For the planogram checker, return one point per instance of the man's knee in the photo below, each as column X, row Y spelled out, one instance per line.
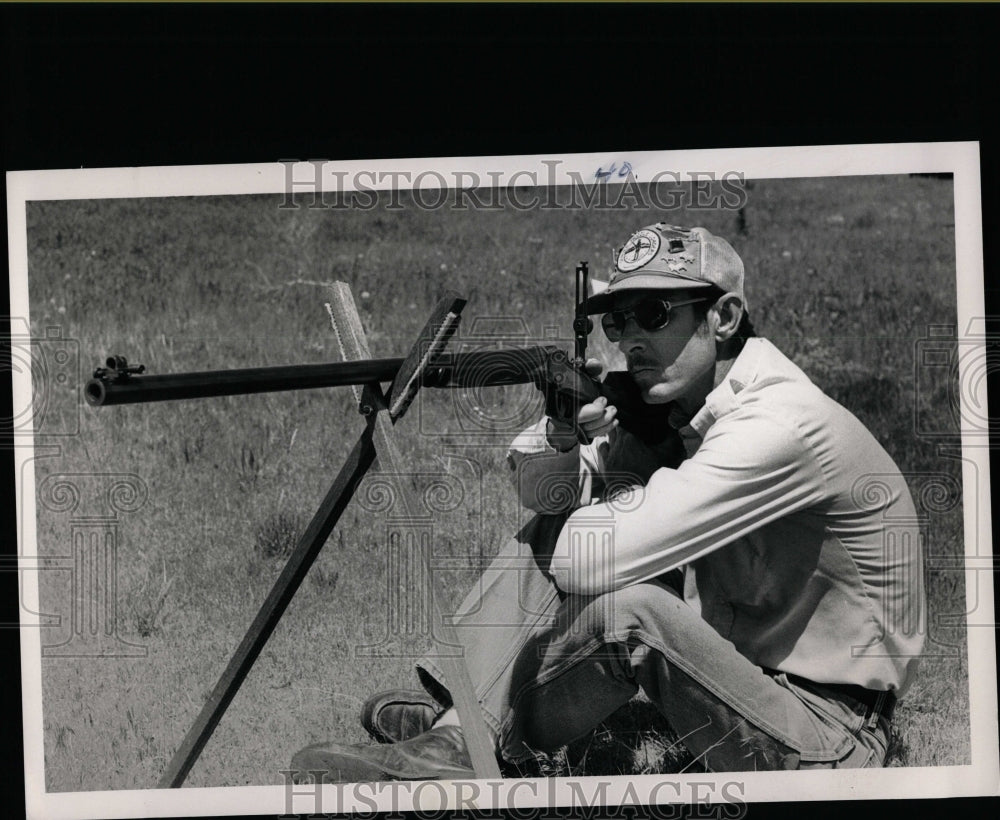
column 640, row 607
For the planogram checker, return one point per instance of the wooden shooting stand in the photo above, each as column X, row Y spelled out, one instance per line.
column 381, row 412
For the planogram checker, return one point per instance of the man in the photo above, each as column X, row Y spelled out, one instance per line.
column 800, row 616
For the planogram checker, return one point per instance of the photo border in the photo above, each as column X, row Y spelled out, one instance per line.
column 981, row 777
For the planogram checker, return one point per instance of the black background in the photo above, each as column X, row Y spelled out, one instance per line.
column 121, row 85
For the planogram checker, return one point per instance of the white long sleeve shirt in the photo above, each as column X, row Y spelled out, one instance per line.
column 797, row 532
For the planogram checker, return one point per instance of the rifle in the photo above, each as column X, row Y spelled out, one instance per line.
column 562, row 380
column 121, row 383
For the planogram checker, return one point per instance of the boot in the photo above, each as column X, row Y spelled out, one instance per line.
column 399, row 714
column 438, row 754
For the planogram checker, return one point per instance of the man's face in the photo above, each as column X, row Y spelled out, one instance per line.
column 675, row 362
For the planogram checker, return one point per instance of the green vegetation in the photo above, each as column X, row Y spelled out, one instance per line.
column 844, row 275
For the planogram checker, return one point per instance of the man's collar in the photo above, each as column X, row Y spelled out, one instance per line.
column 722, row 399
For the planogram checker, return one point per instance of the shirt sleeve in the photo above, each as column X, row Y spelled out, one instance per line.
column 750, row 470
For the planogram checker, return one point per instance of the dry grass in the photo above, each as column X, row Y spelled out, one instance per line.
column 845, row 276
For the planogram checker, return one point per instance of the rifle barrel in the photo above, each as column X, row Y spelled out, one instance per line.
column 484, row 368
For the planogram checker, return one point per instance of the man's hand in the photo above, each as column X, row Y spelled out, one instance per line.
column 595, row 419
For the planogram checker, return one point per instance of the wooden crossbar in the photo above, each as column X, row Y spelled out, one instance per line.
column 375, row 440
column 354, row 346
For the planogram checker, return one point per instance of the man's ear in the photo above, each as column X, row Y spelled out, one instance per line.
column 729, row 311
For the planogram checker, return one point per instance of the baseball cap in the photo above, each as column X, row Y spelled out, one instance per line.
column 666, row 257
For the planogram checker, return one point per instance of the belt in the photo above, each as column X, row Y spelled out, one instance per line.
column 879, row 702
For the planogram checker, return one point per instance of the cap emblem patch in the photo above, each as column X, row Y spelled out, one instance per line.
column 641, row 247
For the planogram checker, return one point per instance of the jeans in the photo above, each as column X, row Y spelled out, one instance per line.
column 549, row 667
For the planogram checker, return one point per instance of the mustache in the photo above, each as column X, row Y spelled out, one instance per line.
column 638, row 362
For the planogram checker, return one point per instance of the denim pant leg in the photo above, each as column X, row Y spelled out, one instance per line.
column 727, row 711
column 513, row 599
column 548, row 668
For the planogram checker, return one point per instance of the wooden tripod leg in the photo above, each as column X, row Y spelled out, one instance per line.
column 309, row 546
column 354, row 346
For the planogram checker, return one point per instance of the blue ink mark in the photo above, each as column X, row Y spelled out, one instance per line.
column 624, row 171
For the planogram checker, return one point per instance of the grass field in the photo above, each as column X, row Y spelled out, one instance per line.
column 844, row 275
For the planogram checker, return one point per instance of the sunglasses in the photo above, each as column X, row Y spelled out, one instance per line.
column 649, row 314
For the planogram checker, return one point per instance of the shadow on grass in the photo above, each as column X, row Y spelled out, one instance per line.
column 636, row 739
